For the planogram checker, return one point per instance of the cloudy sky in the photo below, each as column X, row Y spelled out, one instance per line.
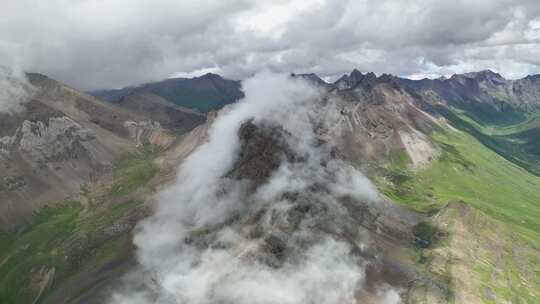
column 92, row 44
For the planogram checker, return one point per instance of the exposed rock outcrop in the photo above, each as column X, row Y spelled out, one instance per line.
column 380, row 120
column 278, row 234
column 149, row 133
column 60, row 140
column 262, row 151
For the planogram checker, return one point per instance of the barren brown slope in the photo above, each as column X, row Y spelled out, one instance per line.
column 381, row 122
column 62, row 140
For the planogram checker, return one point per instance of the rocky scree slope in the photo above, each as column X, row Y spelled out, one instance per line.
column 61, row 140
column 379, row 233
column 284, row 232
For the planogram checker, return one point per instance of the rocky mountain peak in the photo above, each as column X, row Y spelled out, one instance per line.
column 311, row 78
column 262, row 151
column 352, row 80
column 211, row 76
column 535, row 77
column 370, row 75
column 486, row 76
column 356, row 74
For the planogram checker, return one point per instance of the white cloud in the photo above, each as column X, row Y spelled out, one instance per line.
column 15, row 90
column 227, row 263
column 196, row 73
column 98, row 44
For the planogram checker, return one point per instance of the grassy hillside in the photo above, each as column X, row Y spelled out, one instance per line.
column 491, row 252
column 491, row 249
column 519, row 143
column 79, row 236
column 470, row 172
column 486, row 261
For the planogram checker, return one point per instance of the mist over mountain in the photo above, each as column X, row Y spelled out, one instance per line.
column 282, row 151
column 299, row 185
column 113, row 44
column 14, row 89
column 269, row 152
column 485, row 97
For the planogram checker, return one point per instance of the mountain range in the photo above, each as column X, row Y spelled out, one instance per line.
column 456, row 162
column 481, row 103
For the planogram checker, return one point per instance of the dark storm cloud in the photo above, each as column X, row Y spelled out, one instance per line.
column 103, row 44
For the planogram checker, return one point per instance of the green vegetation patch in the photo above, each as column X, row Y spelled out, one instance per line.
column 399, row 159
column 519, row 143
column 28, row 255
column 425, row 233
column 504, row 265
column 70, row 238
column 468, row 171
column 134, row 170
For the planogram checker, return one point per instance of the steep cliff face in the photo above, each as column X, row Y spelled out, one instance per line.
column 57, row 139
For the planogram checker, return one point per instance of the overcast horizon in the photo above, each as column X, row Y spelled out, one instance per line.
column 110, row 44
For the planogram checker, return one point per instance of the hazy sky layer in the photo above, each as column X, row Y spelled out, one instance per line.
column 113, row 43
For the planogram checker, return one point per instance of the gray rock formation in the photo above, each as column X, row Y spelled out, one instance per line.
column 149, row 133
column 60, row 140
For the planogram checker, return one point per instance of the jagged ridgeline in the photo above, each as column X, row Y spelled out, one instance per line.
column 372, row 189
